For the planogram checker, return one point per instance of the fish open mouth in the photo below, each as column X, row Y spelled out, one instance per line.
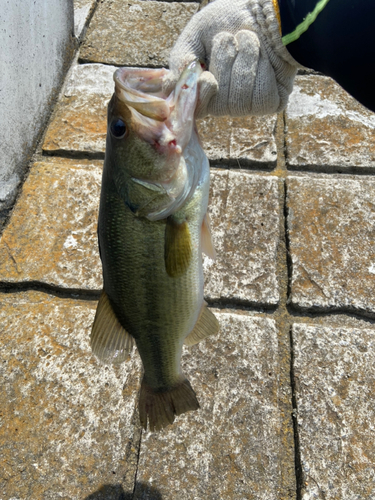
column 167, row 124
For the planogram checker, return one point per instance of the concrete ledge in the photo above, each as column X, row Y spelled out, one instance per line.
column 36, row 43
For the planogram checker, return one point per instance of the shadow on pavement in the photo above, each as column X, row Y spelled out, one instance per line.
column 116, row 492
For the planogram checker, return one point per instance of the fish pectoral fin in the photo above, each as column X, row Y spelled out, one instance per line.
column 110, row 342
column 206, row 238
column 206, row 325
column 178, row 248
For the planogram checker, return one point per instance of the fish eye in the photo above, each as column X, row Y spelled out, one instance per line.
column 118, row 128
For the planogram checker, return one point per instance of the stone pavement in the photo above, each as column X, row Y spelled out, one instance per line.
column 286, row 389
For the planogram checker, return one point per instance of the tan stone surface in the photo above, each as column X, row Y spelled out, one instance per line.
column 51, row 237
column 67, row 422
column 326, row 128
column 245, row 141
column 80, row 121
column 335, row 390
column 331, row 231
column 231, row 448
column 82, row 9
column 244, row 215
column 135, row 33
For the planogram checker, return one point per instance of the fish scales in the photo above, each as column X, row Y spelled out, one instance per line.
column 152, row 227
column 159, row 307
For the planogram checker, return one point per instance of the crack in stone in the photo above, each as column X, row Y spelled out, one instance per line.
column 312, row 281
column 297, row 449
column 11, row 255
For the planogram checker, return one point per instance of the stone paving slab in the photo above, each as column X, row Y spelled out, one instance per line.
column 327, row 129
column 241, row 142
column 331, row 225
column 66, row 424
column 82, row 9
column 244, row 216
column 79, row 124
column 51, row 237
column 231, row 448
column 335, row 389
column 135, row 33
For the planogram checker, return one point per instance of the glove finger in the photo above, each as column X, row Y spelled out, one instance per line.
column 208, row 87
column 223, row 55
column 266, row 99
column 244, row 73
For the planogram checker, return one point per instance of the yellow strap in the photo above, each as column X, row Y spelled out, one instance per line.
column 277, row 12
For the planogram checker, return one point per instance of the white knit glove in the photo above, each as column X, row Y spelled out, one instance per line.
column 250, row 72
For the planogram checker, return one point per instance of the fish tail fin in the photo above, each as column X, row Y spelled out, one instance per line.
column 159, row 407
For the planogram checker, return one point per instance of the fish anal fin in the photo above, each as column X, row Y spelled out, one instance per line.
column 206, row 238
column 178, row 247
column 110, row 342
column 206, row 325
column 159, row 407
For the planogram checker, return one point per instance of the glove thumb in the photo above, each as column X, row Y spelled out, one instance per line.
column 207, row 89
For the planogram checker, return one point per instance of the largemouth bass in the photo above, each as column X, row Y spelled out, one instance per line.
column 152, row 230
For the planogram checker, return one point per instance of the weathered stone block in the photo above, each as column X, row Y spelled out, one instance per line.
column 244, row 211
column 327, row 129
column 135, row 33
column 241, row 142
column 334, row 387
column 82, row 10
column 231, row 447
column 80, row 122
column 67, row 422
column 331, row 231
column 51, row 237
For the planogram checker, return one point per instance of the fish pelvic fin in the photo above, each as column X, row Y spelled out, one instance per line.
column 178, row 248
column 206, row 238
column 110, row 342
column 206, row 325
column 159, row 407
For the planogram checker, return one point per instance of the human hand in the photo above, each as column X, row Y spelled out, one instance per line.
column 249, row 69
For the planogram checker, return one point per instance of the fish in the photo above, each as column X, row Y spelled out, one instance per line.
column 152, row 229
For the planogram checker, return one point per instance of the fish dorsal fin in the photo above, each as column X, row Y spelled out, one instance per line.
column 110, row 342
column 206, row 238
column 206, row 325
column 178, row 248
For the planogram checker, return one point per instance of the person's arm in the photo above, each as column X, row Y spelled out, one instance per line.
column 335, row 37
column 249, row 69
